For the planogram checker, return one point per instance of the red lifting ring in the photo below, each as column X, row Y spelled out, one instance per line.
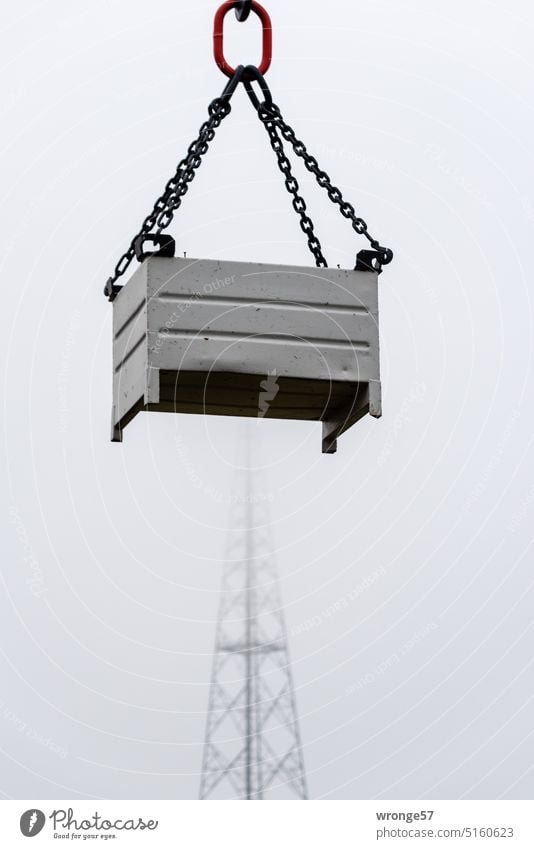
column 218, row 37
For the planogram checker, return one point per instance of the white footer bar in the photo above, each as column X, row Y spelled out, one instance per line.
column 271, row 825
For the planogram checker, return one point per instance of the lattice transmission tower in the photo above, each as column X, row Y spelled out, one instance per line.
column 253, row 747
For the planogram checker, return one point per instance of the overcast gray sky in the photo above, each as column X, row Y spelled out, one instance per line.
column 422, row 684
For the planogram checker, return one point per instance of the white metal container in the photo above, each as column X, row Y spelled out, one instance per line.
column 247, row 339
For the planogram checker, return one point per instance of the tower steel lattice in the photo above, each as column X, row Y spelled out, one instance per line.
column 253, row 747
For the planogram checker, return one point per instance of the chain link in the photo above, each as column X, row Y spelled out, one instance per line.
column 243, row 10
column 176, row 188
column 170, row 200
column 299, row 204
column 271, row 116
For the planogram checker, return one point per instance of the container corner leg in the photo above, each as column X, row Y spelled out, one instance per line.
column 375, row 398
column 116, row 430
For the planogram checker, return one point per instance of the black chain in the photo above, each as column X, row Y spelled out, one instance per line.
column 299, row 204
column 176, row 188
column 270, row 115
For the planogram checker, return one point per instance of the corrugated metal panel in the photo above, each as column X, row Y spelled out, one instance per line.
column 312, row 331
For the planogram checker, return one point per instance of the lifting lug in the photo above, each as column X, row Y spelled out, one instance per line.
column 368, row 260
column 111, row 290
column 167, row 246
